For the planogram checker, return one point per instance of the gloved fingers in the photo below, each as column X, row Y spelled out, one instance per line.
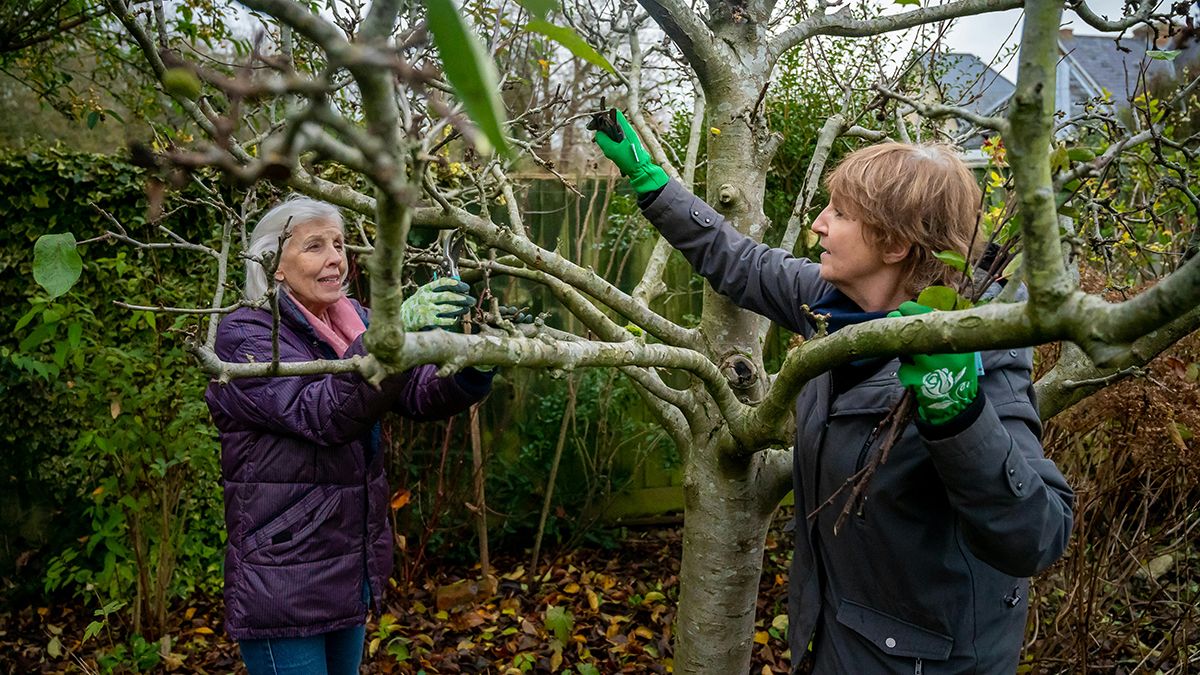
column 446, row 284
column 451, row 298
column 600, row 137
column 449, row 312
column 626, row 126
column 515, row 314
column 911, row 308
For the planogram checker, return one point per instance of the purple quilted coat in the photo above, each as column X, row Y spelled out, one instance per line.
column 306, row 498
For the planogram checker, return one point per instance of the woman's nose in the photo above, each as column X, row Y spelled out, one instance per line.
column 818, row 225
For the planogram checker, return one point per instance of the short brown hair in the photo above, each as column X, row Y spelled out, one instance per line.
column 919, row 195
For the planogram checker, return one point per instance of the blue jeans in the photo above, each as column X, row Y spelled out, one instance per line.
column 337, row 653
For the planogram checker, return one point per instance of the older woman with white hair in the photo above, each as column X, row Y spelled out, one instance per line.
column 309, row 546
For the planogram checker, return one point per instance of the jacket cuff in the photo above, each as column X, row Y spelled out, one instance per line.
column 474, row 382
column 975, row 451
column 648, row 178
column 645, row 199
column 955, row 425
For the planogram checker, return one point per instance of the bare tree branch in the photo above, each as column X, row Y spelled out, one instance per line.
column 843, row 24
column 938, row 110
column 1098, row 22
column 710, row 57
column 1075, row 377
column 1030, row 118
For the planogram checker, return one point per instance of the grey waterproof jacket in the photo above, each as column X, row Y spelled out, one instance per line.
column 931, row 576
column 306, row 499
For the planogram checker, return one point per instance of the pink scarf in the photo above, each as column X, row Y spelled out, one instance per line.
column 339, row 325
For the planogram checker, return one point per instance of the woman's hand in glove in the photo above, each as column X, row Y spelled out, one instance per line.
column 628, row 154
column 944, row 384
column 438, row 303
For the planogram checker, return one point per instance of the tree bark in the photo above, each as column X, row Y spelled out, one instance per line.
column 728, row 509
column 727, row 502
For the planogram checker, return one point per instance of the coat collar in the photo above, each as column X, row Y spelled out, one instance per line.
column 291, row 316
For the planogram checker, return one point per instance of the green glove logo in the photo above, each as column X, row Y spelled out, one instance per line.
column 946, row 389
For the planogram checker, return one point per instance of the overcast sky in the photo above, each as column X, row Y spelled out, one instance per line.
column 987, row 34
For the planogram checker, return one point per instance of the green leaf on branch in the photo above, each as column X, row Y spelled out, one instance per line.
column 539, row 8
column 182, row 82
column 914, row 3
column 1081, row 154
column 1059, row 160
column 952, row 258
column 568, row 38
column 92, row 119
column 1163, row 54
column 943, row 298
column 1013, row 267
column 56, row 263
column 469, row 69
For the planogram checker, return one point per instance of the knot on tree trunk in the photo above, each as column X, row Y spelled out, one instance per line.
column 739, row 371
column 729, row 196
column 385, row 343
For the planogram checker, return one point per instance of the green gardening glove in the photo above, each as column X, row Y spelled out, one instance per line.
column 438, row 303
column 944, row 384
column 627, row 152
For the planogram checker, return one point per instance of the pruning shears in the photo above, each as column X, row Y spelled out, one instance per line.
column 606, row 120
column 451, row 246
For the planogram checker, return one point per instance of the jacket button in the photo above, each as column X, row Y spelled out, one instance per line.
column 708, row 220
column 890, row 642
column 1012, row 353
column 695, row 213
column 1020, row 485
column 1011, row 471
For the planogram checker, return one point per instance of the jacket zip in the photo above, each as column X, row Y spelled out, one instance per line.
column 862, row 454
column 366, row 566
column 919, row 668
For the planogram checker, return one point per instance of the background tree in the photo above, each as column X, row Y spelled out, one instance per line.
column 356, row 108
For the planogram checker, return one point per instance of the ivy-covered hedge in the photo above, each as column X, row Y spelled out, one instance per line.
column 109, row 472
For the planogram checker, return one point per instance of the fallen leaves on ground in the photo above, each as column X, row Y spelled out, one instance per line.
column 588, row 612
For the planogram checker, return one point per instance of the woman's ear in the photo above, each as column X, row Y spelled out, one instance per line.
column 896, row 252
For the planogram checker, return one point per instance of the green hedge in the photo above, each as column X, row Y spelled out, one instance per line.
column 110, row 465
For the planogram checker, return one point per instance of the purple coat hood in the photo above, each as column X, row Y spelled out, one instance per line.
column 306, row 497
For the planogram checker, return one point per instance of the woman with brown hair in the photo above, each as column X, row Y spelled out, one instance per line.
column 931, row 576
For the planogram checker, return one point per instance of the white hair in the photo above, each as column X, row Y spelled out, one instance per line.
column 294, row 210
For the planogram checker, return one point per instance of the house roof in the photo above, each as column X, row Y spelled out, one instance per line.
column 1113, row 68
column 966, row 81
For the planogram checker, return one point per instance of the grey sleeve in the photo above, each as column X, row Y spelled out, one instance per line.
column 769, row 281
column 1014, row 504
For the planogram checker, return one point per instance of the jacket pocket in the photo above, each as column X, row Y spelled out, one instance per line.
column 292, row 525
column 894, row 636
